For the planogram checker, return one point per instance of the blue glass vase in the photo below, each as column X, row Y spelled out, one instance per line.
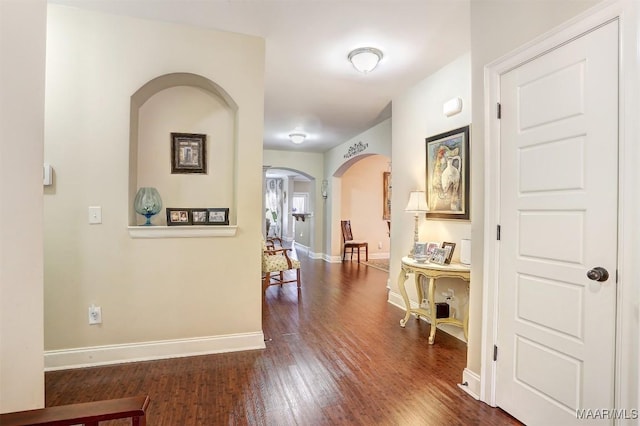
column 147, row 203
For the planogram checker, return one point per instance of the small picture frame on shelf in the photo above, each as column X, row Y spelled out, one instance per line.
column 439, row 256
column 218, row 216
column 199, row 216
column 449, row 247
column 178, row 217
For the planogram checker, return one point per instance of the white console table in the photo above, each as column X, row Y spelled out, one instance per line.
column 432, row 272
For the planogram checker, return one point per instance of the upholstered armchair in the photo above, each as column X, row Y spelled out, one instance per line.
column 275, row 262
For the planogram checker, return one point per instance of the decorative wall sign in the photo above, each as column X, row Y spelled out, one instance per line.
column 356, row 149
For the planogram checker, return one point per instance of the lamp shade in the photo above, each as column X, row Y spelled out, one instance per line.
column 365, row 59
column 417, row 202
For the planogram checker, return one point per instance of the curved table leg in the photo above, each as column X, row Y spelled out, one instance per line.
column 402, row 279
column 432, row 308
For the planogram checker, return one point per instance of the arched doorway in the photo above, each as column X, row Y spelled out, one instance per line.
column 289, row 196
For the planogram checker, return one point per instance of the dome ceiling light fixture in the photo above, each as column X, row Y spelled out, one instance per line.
column 365, row 59
column 297, row 137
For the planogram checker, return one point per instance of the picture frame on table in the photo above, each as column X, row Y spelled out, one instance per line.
column 218, row 216
column 447, row 175
column 420, row 252
column 178, row 217
column 449, row 247
column 430, row 247
column 188, row 153
column 439, row 256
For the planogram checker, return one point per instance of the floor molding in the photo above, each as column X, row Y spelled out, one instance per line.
column 145, row 351
column 470, row 383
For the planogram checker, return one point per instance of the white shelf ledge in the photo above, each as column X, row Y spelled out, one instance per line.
column 182, row 231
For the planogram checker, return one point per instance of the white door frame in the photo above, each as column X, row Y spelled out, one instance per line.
column 627, row 394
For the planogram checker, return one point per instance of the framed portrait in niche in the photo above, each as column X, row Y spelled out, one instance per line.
column 199, row 216
column 447, row 180
column 217, row 216
column 188, row 153
column 178, row 217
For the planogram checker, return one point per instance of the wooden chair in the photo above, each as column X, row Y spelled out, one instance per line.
column 350, row 243
column 275, row 262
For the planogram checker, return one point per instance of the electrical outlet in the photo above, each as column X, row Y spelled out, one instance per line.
column 379, row 244
column 95, row 315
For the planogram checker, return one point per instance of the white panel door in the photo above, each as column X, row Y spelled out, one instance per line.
column 558, row 216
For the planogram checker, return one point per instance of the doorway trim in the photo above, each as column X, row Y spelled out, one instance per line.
column 627, row 373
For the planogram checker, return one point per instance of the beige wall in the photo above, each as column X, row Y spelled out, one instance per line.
column 497, row 27
column 22, row 49
column 417, row 114
column 166, row 290
column 362, row 202
column 376, row 140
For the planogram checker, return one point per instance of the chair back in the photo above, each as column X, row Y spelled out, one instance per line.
column 346, row 230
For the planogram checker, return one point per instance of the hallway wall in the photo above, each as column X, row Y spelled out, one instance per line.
column 362, row 202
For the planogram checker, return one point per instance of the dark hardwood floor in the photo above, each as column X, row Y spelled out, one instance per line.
column 335, row 355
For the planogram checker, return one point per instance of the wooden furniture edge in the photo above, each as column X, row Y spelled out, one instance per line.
column 83, row 413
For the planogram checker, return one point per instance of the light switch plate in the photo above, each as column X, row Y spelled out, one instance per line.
column 95, row 214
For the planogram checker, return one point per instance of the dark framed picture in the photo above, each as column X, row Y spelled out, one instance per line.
column 218, row 216
column 188, row 153
column 449, row 247
column 448, row 175
column 199, row 216
column 178, row 217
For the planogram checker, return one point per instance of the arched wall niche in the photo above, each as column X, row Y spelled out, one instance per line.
column 155, row 86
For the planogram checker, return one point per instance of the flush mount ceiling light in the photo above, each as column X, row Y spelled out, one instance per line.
column 365, row 59
column 297, row 137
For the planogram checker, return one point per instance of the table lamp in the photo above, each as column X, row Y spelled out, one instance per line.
column 417, row 204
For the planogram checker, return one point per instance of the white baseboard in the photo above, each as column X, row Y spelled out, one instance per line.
column 301, row 248
column 338, row 259
column 331, row 259
column 379, row 255
column 396, row 300
column 470, row 383
column 145, row 351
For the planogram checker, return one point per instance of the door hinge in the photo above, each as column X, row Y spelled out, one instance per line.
column 495, row 352
column 498, row 233
column 499, row 112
